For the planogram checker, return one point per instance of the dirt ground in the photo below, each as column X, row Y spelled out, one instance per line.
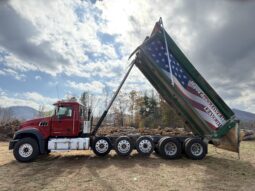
column 220, row 170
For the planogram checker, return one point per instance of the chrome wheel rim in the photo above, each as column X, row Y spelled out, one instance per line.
column 25, row 150
column 145, row 146
column 196, row 149
column 124, row 146
column 170, row 149
column 101, row 146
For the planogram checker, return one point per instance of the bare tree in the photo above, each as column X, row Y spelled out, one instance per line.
column 106, row 93
column 132, row 98
column 88, row 100
column 120, row 107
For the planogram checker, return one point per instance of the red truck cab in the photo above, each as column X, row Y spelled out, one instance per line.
column 66, row 121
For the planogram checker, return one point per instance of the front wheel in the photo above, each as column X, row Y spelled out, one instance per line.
column 26, row 150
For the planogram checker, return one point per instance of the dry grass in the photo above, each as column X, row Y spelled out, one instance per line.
column 220, row 170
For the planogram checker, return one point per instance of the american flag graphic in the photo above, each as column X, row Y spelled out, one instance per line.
column 182, row 80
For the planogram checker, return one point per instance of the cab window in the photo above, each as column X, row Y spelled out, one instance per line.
column 64, row 111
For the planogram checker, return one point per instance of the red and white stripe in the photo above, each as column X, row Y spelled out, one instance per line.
column 216, row 119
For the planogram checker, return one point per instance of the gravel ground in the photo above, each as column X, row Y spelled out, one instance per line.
column 82, row 170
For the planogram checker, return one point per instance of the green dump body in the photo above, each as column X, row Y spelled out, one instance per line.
column 183, row 88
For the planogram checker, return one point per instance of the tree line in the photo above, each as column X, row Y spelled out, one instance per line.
column 135, row 108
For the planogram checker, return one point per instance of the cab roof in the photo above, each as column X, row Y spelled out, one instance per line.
column 68, row 102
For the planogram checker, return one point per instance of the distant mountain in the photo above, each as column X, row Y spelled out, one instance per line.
column 244, row 115
column 19, row 112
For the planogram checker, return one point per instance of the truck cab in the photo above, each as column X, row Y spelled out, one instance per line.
column 33, row 136
column 67, row 119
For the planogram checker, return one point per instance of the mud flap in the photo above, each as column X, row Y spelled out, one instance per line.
column 230, row 141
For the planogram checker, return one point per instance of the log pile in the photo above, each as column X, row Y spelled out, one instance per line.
column 120, row 131
column 247, row 135
column 7, row 129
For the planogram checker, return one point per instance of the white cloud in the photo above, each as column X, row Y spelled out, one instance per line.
column 17, row 64
column 57, row 29
column 31, row 99
column 6, row 101
column 38, row 77
column 2, row 73
column 57, row 24
column 13, row 73
column 93, row 87
column 2, row 92
column 34, row 96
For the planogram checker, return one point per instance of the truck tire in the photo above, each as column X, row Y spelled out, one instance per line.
column 184, row 144
column 26, row 150
column 123, row 146
column 170, row 148
column 144, row 145
column 101, row 146
column 156, row 149
column 195, row 149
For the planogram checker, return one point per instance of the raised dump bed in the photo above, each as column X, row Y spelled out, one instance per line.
column 183, row 87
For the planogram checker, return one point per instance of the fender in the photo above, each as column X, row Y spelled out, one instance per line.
column 29, row 132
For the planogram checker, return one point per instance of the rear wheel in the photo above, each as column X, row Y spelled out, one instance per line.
column 26, row 150
column 144, row 145
column 170, row 148
column 101, row 146
column 195, row 149
column 123, row 146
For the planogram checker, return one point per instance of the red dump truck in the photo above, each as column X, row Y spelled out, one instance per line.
column 176, row 80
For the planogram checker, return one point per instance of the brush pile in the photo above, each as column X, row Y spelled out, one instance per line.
column 120, row 131
column 7, row 129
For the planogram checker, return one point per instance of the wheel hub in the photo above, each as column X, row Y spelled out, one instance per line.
column 101, row 146
column 25, row 150
column 170, row 149
column 145, row 146
column 124, row 146
column 196, row 149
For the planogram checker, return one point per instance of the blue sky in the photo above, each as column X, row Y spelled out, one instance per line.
column 62, row 48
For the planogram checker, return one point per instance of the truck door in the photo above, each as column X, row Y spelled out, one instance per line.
column 63, row 121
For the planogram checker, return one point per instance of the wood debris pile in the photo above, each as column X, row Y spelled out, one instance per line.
column 120, row 131
column 7, row 129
